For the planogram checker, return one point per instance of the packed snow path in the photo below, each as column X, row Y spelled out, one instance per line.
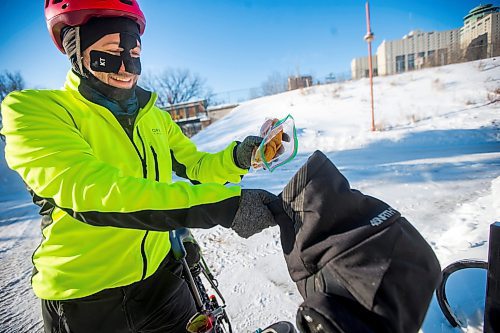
column 19, row 236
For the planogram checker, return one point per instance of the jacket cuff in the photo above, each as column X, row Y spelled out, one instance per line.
column 230, row 160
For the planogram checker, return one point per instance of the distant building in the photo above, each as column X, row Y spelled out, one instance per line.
column 192, row 117
column 480, row 35
column 220, row 111
column 479, row 38
column 338, row 77
column 416, row 50
column 360, row 67
column 297, row 82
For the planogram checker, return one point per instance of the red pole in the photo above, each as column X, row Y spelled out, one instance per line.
column 369, row 37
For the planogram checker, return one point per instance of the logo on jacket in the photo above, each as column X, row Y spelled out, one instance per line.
column 382, row 217
column 156, row 131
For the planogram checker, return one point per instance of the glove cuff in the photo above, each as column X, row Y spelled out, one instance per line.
column 253, row 215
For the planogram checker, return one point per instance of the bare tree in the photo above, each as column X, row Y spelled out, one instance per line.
column 276, row 83
column 176, row 86
column 10, row 81
column 255, row 93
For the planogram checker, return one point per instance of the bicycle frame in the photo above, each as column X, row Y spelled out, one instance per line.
column 205, row 304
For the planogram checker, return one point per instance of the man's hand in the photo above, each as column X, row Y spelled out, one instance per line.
column 244, row 151
column 253, row 215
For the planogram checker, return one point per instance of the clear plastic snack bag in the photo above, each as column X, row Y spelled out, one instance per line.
column 279, row 146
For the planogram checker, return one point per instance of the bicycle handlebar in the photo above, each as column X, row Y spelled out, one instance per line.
column 441, row 289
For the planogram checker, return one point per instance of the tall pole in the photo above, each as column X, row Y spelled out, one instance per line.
column 369, row 38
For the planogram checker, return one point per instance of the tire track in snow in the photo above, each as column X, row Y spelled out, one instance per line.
column 20, row 308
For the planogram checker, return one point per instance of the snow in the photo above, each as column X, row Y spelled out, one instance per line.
column 435, row 158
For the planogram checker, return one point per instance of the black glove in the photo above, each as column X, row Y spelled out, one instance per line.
column 244, row 150
column 253, row 215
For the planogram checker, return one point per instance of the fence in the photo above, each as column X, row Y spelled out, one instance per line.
column 241, row 95
column 234, row 96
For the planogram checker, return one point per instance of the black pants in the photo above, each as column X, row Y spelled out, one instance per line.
column 160, row 303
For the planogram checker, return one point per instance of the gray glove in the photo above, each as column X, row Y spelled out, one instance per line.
column 253, row 215
column 244, row 150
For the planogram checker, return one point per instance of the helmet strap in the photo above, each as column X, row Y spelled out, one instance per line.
column 72, row 46
column 79, row 56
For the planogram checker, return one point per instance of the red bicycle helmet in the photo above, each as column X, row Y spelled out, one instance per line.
column 63, row 13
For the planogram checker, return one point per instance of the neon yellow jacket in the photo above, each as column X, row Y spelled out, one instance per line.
column 107, row 202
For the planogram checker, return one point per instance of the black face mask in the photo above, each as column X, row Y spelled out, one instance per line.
column 110, row 63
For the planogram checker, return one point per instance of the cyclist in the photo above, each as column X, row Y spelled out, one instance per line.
column 97, row 157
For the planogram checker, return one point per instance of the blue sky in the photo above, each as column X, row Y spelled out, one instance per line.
column 234, row 44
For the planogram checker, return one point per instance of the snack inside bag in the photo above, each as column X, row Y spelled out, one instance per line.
column 279, row 145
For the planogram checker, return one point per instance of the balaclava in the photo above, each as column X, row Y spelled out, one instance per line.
column 77, row 39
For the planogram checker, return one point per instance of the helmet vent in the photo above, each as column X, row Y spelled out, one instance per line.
column 56, row 1
column 127, row 2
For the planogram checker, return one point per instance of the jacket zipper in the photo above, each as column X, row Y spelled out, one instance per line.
column 143, row 160
column 143, row 254
column 145, row 174
column 157, row 169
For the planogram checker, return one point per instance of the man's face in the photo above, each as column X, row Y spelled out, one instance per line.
column 111, row 44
